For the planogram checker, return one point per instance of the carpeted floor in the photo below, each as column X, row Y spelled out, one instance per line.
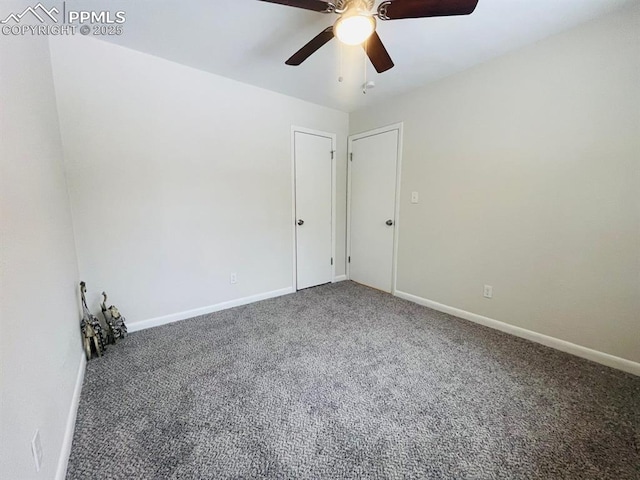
column 342, row 381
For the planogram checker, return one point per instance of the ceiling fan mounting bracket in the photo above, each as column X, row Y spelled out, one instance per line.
column 331, row 8
column 382, row 10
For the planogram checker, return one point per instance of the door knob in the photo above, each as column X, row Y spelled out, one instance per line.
column 389, row 222
column 300, row 222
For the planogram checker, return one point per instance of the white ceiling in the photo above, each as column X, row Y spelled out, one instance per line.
column 249, row 40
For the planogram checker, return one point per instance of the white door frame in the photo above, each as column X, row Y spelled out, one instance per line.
column 389, row 128
column 332, row 136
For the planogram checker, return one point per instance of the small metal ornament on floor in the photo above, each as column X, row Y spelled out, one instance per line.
column 93, row 335
column 115, row 321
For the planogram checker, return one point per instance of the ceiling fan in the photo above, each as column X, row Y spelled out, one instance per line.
column 356, row 24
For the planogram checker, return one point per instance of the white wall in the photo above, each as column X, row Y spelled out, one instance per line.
column 178, row 177
column 40, row 350
column 528, row 169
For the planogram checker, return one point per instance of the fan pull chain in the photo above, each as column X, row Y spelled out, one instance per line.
column 364, row 84
column 340, row 49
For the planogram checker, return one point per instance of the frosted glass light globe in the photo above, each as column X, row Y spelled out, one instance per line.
column 354, row 27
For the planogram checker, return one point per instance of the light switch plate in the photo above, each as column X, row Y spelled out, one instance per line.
column 414, row 197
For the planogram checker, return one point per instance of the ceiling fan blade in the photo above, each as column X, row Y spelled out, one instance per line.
column 315, row 5
column 311, row 47
column 377, row 53
column 397, row 9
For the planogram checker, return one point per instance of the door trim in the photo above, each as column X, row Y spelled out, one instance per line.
column 394, row 260
column 333, row 138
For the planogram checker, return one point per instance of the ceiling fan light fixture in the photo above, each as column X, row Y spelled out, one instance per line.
column 354, row 27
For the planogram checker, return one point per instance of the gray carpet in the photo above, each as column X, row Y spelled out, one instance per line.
column 342, row 381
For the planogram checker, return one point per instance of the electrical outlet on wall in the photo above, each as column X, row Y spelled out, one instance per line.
column 488, row 291
column 233, row 278
column 36, row 450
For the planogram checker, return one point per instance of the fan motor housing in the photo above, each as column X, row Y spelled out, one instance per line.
column 344, row 5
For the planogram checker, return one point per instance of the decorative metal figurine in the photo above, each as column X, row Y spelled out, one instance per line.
column 115, row 321
column 93, row 337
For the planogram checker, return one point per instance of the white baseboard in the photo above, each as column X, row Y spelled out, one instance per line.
column 176, row 317
column 67, row 440
column 339, row 278
column 562, row 345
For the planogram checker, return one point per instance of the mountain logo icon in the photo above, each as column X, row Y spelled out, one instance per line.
column 39, row 11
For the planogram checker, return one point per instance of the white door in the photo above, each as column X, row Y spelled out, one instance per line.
column 373, row 178
column 313, row 175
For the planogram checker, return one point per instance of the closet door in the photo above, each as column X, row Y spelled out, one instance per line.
column 313, row 197
column 373, row 179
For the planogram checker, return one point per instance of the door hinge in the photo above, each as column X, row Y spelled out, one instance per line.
column 332, row 261
column 332, row 151
column 351, row 156
column 349, row 258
